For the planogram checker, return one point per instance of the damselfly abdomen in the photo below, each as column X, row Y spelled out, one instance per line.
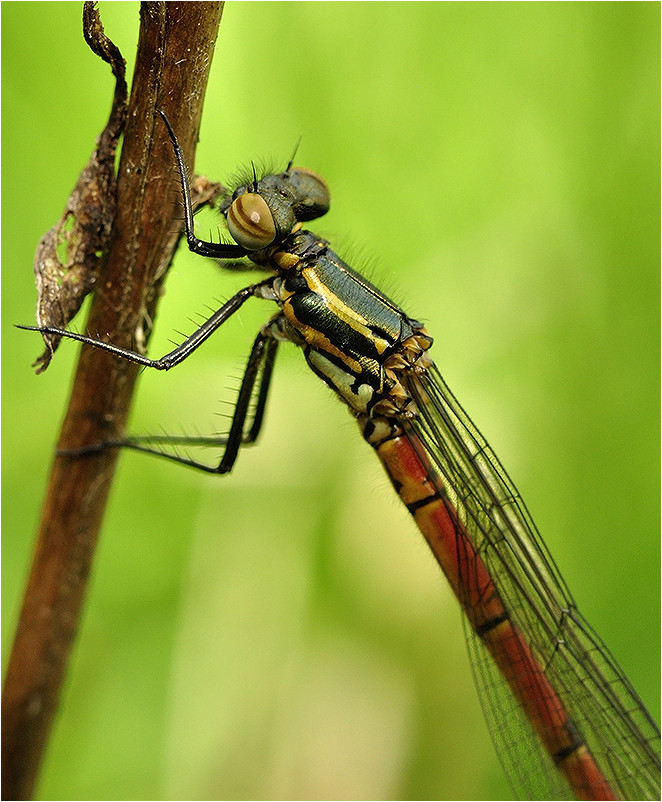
column 549, row 686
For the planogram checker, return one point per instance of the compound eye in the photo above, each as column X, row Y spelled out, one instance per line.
column 250, row 222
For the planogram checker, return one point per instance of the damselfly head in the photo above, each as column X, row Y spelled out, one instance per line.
column 262, row 212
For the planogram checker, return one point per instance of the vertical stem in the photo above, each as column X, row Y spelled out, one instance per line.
column 175, row 48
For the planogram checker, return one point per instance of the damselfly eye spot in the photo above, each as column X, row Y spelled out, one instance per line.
column 250, row 222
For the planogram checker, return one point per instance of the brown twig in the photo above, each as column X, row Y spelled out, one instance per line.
column 174, row 54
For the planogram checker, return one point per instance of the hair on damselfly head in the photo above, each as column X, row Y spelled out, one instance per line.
column 243, row 177
column 262, row 167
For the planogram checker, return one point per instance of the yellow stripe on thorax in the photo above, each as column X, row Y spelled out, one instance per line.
column 344, row 312
column 319, row 341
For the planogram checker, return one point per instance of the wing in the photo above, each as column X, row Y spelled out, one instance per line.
column 603, row 709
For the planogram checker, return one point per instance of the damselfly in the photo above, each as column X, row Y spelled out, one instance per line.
column 550, row 689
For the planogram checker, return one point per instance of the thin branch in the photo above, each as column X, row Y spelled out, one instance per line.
column 174, row 55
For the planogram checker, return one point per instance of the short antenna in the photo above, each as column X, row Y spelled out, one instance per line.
column 296, row 147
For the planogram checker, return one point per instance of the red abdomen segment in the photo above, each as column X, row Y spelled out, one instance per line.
column 417, row 483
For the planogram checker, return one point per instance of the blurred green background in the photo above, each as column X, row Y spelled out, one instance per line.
column 282, row 632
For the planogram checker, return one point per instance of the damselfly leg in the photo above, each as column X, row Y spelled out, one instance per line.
column 253, row 394
column 216, row 250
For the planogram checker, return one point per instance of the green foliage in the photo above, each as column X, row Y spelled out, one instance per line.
column 283, row 632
